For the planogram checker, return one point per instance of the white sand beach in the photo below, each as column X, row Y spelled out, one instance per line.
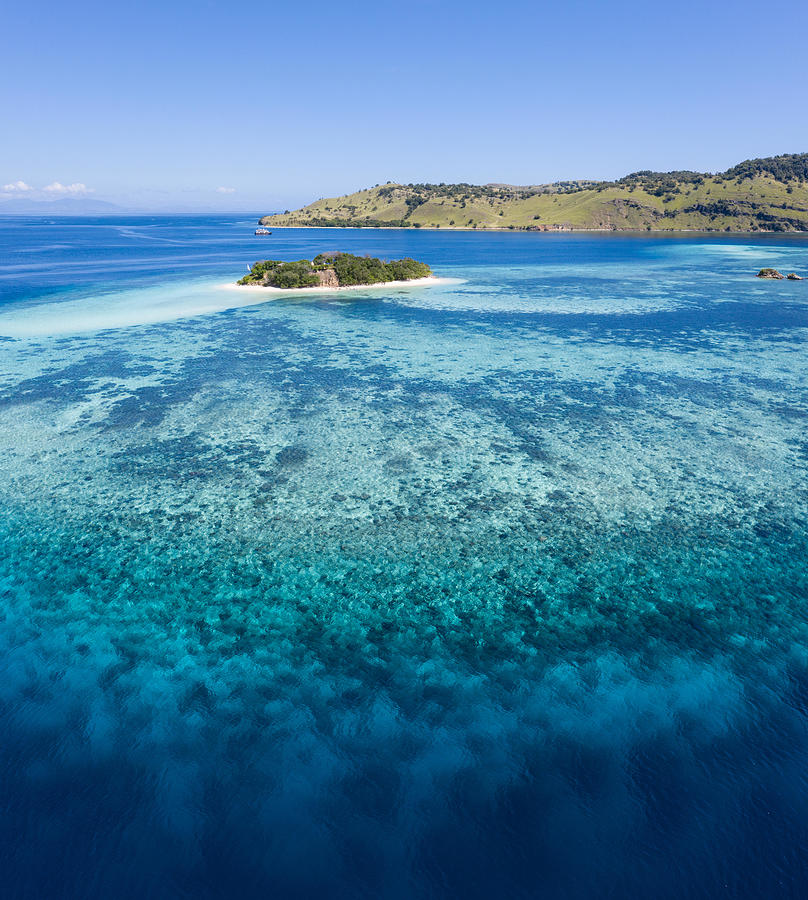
column 430, row 280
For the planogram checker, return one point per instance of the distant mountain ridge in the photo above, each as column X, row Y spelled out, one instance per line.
column 68, row 206
column 769, row 194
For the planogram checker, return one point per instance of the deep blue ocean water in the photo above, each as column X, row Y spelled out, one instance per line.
column 494, row 588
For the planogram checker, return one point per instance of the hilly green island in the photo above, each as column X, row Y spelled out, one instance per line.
column 761, row 195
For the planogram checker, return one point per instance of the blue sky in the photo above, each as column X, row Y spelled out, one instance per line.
column 259, row 106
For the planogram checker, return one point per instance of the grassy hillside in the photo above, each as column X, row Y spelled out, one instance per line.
column 756, row 195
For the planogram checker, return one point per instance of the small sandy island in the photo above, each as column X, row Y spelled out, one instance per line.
column 336, row 271
column 430, row 280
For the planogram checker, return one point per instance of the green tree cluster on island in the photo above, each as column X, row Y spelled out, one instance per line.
column 281, row 274
column 348, row 269
column 351, row 269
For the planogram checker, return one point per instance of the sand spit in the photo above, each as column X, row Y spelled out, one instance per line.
column 157, row 304
column 429, row 281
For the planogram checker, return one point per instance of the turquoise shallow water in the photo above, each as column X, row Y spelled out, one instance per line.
column 493, row 588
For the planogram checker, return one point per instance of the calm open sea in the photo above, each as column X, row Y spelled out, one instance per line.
column 492, row 589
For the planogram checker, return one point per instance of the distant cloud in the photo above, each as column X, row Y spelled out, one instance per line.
column 77, row 189
column 17, row 187
column 225, row 190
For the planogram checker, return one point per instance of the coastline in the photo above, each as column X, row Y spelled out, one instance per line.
column 429, row 281
column 506, row 230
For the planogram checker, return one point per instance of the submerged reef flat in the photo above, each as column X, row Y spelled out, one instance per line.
column 334, row 270
column 492, row 589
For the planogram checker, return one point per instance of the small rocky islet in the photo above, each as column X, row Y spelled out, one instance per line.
column 333, row 270
column 778, row 276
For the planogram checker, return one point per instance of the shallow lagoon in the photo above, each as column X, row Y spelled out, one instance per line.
column 484, row 589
